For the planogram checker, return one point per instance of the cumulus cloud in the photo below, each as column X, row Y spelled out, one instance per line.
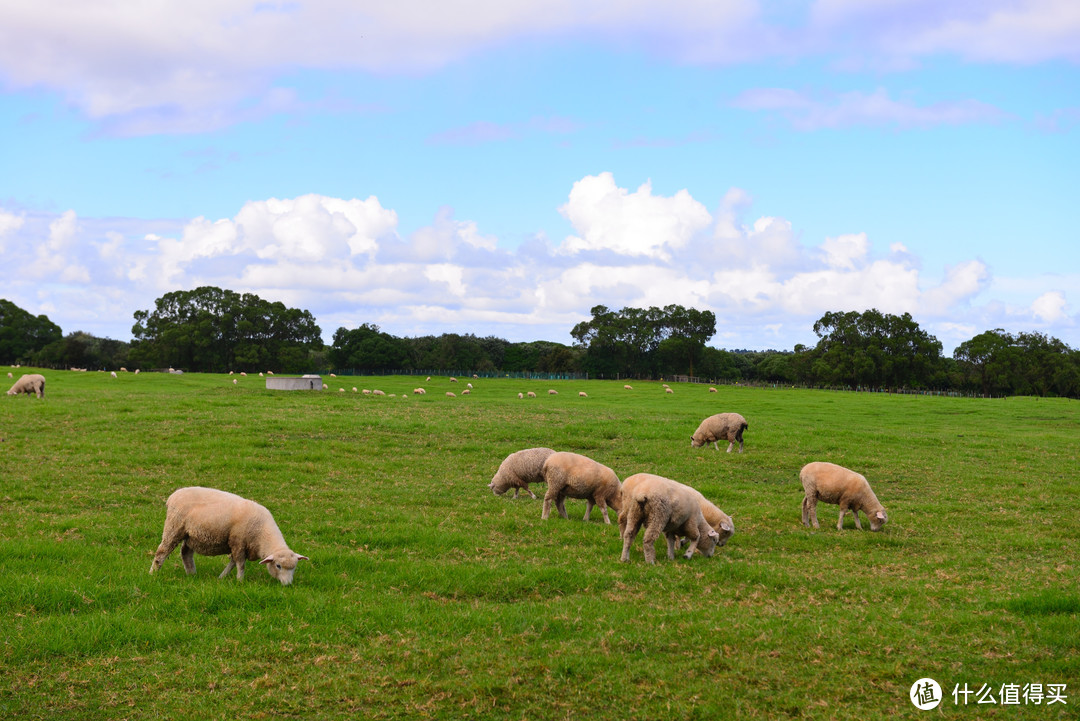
column 346, row 261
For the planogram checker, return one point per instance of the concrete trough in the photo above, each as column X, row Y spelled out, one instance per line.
column 284, row 383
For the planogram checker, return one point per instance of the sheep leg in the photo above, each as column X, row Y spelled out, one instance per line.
column 560, row 503
column 855, row 513
column 187, row 555
column 693, row 534
column 840, row 523
column 806, row 511
column 228, row 567
column 548, row 498
column 515, row 492
column 531, row 494
column 588, row 508
column 603, row 511
column 170, row 539
column 628, row 537
column 670, row 546
column 729, row 445
column 812, row 502
column 240, row 567
column 652, row 532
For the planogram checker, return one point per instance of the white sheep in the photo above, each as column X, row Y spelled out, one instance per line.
column 530, row 394
column 212, row 522
column 520, row 395
column 720, row 427
column 453, row 379
column 324, row 386
column 668, row 390
column 378, row 392
column 243, row 373
column 628, row 388
column 354, row 389
column 469, row 384
column 712, row 390
column 572, row 475
column 552, row 392
column 518, row 470
column 466, row 392
column 341, row 390
column 113, row 374
column 418, row 391
column 29, row 383
column 366, row 392
column 665, row 507
column 428, row 379
column 830, row 483
column 582, row 394
column 450, row 394
column 234, row 381
column 9, row 375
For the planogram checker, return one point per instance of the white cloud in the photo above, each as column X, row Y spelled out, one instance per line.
column 1050, row 307
column 607, row 217
column 344, row 260
column 807, row 112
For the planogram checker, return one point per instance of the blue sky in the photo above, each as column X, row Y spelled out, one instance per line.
column 499, row 168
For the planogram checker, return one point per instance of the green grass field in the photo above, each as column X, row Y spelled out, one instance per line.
column 428, row 597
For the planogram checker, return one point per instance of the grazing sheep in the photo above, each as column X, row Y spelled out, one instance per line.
column 418, row 391
column 466, row 392
column 712, row 390
column 324, row 386
column 628, row 388
column 113, row 374
column 269, row 373
column 520, row 395
column 123, row 369
column 668, row 390
column 576, row 476
column 341, row 390
column 354, row 389
column 450, row 394
column 243, row 373
column 29, row 383
column 530, row 394
column 428, row 379
column 830, row 483
column 453, row 379
column 234, row 381
column 470, row 384
column 552, row 392
column 366, row 392
column 377, row 392
column 520, row 469
column 582, row 394
column 720, row 427
column 664, row 507
column 212, row 522
column 9, row 375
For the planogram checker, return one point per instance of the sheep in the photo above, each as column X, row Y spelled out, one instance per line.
column 324, row 386
column 520, row 395
column 552, row 392
column 582, row 394
column 450, row 394
column 366, row 391
column 428, row 379
column 717, row 519
column 354, row 389
column 576, row 476
column 113, row 373
column 712, row 390
column 453, row 379
column 341, row 390
column 668, row 390
column 466, row 392
column 830, row 483
column 9, row 375
column 720, row 427
column 520, row 469
column 234, row 381
column 243, row 373
column 628, row 388
column 665, row 507
column 212, row 522
column 377, row 392
column 530, row 394
column 469, row 385
column 29, row 383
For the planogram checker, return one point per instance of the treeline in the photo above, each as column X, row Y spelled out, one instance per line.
column 213, row 330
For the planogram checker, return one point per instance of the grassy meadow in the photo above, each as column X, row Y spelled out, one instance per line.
column 427, row 597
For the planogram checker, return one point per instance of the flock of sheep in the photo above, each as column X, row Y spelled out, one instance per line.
column 211, row 522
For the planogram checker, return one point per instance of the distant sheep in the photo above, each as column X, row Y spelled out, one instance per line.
column 582, row 394
column 668, row 390
column 453, row 379
column 366, row 391
column 520, row 395
column 830, row 483
column 720, row 427
column 664, row 507
column 377, row 392
column 530, row 394
column 212, row 522
column 419, row 391
column 518, row 470
column 552, row 392
column 234, row 381
column 113, row 374
column 628, row 388
column 466, row 392
column 712, row 390
column 450, row 394
column 571, row 475
column 354, row 389
column 29, row 383
column 469, row 384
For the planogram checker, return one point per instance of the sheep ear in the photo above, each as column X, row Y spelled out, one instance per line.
column 268, row 559
column 727, row 527
column 881, row 516
column 714, row 534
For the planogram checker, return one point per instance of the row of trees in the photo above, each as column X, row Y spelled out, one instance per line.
column 213, row 330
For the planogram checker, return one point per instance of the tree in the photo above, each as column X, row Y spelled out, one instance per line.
column 214, row 330
column 22, row 334
column 874, row 349
column 369, row 349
